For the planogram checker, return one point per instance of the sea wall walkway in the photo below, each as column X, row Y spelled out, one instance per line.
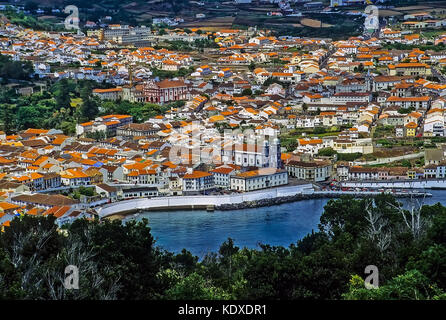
column 274, row 196
column 403, row 184
column 200, row 202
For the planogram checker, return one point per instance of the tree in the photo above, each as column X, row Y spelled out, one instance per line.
column 413, row 218
column 14, row 69
column 359, row 68
column 29, row 244
column 247, row 92
column 31, row 6
column 411, row 285
column 432, row 264
column 327, row 152
column 89, row 109
column 126, row 252
column 185, row 262
column 62, row 94
column 271, row 274
column 7, row 115
column 195, row 287
column 252, row 66
column 345, row 215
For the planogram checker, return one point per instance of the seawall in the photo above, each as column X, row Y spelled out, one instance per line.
column 268, row 197
column 314, row 195
column 200, row 202
column 397, row 184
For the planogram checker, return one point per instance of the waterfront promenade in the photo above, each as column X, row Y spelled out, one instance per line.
column 233, row 201
column 396, row 184
column 389, row 159
column 200, row 202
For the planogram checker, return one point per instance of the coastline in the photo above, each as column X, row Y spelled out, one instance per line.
column 301, row 197
column 266, row 202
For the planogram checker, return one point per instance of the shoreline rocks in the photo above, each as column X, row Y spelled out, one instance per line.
column 298, row 197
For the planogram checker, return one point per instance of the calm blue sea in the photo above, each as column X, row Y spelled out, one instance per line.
column 201, row 232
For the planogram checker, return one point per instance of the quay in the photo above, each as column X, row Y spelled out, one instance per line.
column 366, row 194
column 268, row 197
column 396, row 184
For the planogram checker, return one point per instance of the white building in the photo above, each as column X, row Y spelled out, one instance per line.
column 198, row 181
column 311, row 171
column 222, row 176
column 259, row 179
column 246, row 155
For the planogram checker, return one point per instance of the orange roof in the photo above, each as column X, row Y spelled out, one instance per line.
column 411, row 65
column 8, row 206
column 415, row 114
column 73, row 173
column 285, row 156
column 196, row 175
column 107, row 90
column 304, row 142
column 35, row 175
column 223, row 170
column 36, row 131
column 394, row 98
column 57, row 211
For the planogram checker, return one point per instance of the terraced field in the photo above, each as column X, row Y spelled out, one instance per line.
column 314, row 23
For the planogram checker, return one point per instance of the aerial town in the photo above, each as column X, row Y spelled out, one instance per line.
column 365, row 108
column 236, row 152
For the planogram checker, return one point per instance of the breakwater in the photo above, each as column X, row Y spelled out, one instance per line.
column 314, row 195
column 396, row 184
column 261, row 198
column 200, row 202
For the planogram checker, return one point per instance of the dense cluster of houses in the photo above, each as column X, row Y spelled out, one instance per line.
column 240, row 99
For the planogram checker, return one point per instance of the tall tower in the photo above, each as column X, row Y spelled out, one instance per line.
column 368, row 80
column 131, row 76
column 277, row 153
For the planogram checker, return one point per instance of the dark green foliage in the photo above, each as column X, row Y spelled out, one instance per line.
column 55, row 108
column 17, row 70
column 121, row 261
column 328, row 152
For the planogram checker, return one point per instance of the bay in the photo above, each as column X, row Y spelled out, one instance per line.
column 202, row 232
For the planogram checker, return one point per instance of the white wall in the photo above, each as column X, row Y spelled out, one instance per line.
column 405, row 184
column 147, row 203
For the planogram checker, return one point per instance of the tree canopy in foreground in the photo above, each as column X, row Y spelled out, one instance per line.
column 122, row 261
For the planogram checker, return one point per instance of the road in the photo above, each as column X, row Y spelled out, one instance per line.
column 438, row 74
column 325, row 60
column 390, row 159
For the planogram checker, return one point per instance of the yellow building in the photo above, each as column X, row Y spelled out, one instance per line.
column 410, row 69
column 411, row 129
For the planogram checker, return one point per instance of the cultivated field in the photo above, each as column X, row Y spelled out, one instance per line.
column 314, row 23
column 222, row 22
column 389, row 13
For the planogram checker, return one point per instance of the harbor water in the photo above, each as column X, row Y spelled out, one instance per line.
column 201, row 232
